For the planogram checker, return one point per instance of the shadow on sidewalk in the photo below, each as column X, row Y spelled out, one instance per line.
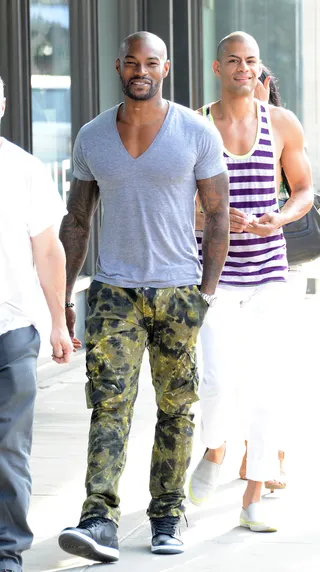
column 204, row 526
column 46, row 555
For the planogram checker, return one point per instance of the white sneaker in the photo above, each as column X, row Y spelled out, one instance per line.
column 252, row 518
column 203, row 481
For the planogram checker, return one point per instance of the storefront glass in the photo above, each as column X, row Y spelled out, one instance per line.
column 50, row 83
column 288, row 33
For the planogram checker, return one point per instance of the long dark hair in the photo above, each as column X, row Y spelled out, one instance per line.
column 274, row 97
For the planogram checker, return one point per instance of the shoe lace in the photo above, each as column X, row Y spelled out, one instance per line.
column 92, row 522
column 166, row 525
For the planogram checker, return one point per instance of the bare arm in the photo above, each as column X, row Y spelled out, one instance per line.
column 214, row 197
column 199, row 215
column 49, row 260
column 297, row 168
column 75, row 227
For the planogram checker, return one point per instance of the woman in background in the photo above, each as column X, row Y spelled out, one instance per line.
column 268, row 90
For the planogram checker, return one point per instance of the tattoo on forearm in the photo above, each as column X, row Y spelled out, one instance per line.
column 214, row 197
column 75, row 227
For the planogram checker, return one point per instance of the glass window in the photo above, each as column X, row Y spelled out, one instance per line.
column 274, row 26
column 210, row 87
column 109, row 41
column 50, row 85
column 288, row 35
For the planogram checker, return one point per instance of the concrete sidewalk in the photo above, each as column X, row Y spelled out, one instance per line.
column 213, row 539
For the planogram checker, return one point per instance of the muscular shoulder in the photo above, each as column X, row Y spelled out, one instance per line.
column 196, row 128
column 286, row 124
column 100, row 124
column 185, row 113
column 192, row 118
column 211, row 127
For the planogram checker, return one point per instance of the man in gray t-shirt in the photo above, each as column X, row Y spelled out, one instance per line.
column 147, row 234
column 145, row 158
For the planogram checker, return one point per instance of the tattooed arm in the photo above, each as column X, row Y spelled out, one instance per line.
column 75, row 227
column 75, row 232
column 214, row 198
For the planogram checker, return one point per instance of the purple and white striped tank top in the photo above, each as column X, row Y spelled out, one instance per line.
column 251, row 259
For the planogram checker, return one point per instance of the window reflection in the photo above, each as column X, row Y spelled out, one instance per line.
column 50, row 84
column 210, row 90
column 287, row 32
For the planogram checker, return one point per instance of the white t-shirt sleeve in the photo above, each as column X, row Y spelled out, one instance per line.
column 46, row 208
column 81, row 170
column 210, row 157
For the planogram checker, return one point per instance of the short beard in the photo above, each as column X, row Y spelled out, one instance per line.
column 154, row 88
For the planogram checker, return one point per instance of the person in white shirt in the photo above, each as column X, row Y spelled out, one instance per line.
column 29, row 246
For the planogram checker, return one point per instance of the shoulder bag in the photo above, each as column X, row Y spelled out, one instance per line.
column 303, row 235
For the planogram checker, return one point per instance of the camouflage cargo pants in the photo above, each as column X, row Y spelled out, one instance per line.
column 121, row 322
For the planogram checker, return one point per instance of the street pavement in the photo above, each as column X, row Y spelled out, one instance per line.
column 214, row 541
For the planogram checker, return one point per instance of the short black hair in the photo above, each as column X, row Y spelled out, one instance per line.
column 274, row 97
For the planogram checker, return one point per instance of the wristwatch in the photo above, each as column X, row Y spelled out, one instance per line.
column 209, row 298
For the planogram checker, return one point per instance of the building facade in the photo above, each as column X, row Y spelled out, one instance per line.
column 57, row 59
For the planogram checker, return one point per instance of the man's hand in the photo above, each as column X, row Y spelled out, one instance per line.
column 49, row 259
column 61, row 345
column 262, row 90
column 238, row 220
column 263, row 226
column 266, row 225
column 71, row 320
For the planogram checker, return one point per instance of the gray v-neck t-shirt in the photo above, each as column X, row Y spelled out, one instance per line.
column 147, row 234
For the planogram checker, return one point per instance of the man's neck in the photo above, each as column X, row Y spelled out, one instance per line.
column 137, row 112
column 237, row 109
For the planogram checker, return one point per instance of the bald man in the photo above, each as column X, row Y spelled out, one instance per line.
column 239, row 335
column 145, row 158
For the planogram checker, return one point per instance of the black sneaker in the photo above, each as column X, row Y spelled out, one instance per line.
column 94, row 538
column 166, row 535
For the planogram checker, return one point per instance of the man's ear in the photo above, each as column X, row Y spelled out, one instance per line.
column 216, row 67
column 118, row 66
column 166, row 68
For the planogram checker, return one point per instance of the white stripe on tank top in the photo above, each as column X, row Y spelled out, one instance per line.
column 251, row 259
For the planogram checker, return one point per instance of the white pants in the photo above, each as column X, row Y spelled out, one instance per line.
column 241, row 341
